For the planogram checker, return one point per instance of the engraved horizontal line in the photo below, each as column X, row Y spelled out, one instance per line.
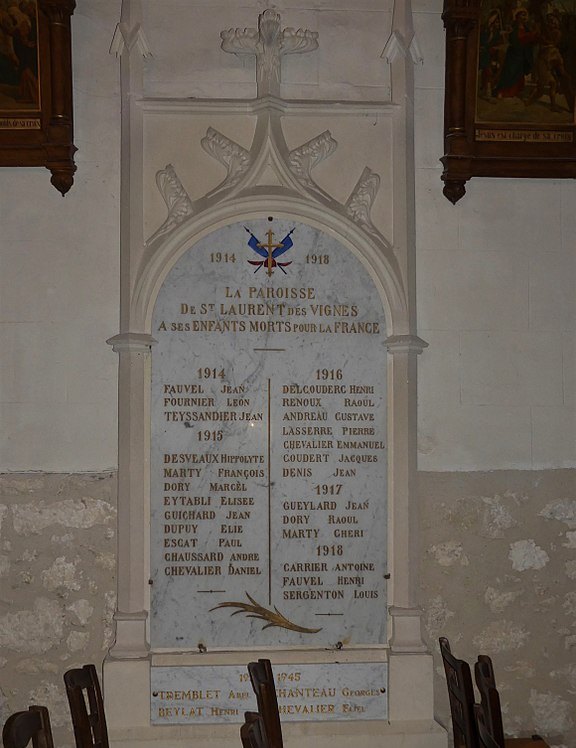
column 328, row 614
column 269, row 349
column 211, row 591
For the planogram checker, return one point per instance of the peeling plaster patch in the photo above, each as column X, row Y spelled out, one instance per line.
column 108, row 620
column 4, row 566
column 77, row 640
column 571, row 569
column 501, row 636
column 32, row 519
column 62, row 573
column 563, row 510
column 109, row 534
column 82, row 610
column 568, row 672
column 464, row 514
column 551, row 713
column 525, row 554
column 437, row 615
column 569, row 603
column 18, row 486
column 449, row 553
column 497, row 601
column 33, row 631
column 66, row 539
column 4, row 707
column 3, row 511
column 496, row 517
column 523, row 668
column 570, row 539
column 51, row 695
column 33, row 667
column 106, row 561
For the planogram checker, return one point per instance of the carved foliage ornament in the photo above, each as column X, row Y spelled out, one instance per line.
column 268, row 43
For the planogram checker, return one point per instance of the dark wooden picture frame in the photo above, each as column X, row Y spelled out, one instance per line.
column 510, row 90
column 36, row 126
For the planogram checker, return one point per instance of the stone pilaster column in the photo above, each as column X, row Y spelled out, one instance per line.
column 133, row 490
column 403, row 554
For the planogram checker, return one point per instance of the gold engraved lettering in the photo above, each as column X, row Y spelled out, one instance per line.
column 366, row 594
column 217, row 711
column 348, row 533
column 354, row 416
column 290, row 534
column 296, row 472
column 239, row 570
column 236, row 501
column 231, row 529
column 346, row 519
column 306, row 708
column 221, row 487
column 313, row 595
column 305, row 415
column 267, row 292
column 355, row 505
column 234, row 514
column 342, row 473
column 179, row 571
column 358, row 458
column 228, row 389
column 334, row 310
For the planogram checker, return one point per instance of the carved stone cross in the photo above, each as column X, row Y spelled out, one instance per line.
column 268, row 43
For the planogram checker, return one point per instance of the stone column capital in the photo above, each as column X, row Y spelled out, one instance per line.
column 131, row 341
column 405, row 344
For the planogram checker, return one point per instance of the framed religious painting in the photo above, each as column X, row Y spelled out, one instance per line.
column 510, row 90
column 36, row 87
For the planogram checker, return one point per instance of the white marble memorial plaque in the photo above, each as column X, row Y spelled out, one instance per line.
column 204, row 694
column 268, row 465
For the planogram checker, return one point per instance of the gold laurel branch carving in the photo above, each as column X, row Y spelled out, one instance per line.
column 274, row 617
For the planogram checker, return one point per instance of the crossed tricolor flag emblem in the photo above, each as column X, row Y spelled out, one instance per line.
column 269, row 251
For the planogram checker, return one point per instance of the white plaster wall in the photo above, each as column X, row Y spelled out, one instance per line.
column 496, row 272
column 496, row 301
column 59, row 280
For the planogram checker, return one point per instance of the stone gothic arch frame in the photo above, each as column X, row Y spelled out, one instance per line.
column 377, row 257
column 135, row 347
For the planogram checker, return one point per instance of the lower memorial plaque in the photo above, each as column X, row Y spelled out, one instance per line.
column 268, row 464
column 202, row 694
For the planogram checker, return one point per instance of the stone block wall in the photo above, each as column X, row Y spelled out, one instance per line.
column 57, row 579
column 498, row 573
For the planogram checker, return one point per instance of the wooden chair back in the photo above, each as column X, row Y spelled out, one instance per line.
column 32, row 725
column 461, row 695
column 262, row 679
column 489, row 699
column 86, row 707
column 485, row 737
column 251, row 732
